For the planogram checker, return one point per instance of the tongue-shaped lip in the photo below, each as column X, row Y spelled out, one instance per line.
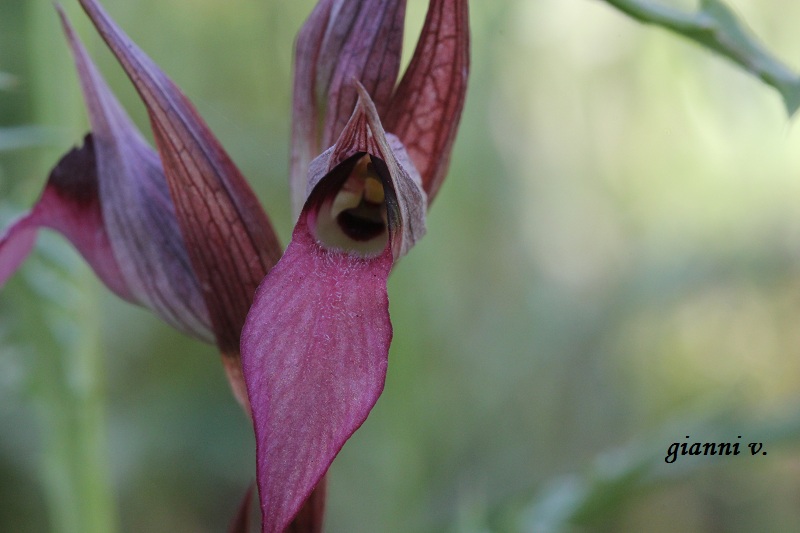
column 316, row 343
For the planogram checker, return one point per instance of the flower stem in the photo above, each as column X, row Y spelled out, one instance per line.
column 68, row 386
column 71, row 409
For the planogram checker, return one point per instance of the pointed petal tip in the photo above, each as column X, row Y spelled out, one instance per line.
column 229, row 238
column 341, row 39
column 426, row 107
column 16, row 244
column 314, row 353
column 66, row 25
column 311, row 516
column 135, row 207
column 406, row 201
column 365, row 101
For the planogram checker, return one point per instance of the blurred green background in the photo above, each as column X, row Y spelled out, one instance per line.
column 612, row 264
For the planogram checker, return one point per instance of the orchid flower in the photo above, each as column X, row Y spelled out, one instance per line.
column 181, row 232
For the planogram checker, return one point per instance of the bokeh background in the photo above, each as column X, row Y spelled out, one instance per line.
column 613, row 264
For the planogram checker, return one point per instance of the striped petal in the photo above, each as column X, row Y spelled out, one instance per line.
column 136, row 207
column 110, row 199
column 230, row 241
column 342, row 41
column 316, row 343
column 426, row 107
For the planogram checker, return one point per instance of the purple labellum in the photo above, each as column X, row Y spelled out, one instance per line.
column 181, row 232
column 316, row 343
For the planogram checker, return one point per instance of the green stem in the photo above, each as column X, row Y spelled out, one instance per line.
column 717, row 27
column 69, row 391
column 71, row 405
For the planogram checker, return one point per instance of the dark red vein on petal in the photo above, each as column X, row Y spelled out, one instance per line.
column 427, row 105
column 137, row 212
column 229, row 237
column 341, row 42
column 371, row 56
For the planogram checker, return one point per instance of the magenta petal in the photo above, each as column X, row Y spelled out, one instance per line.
column 69, row 205
column 314, row 352
column 15, row 245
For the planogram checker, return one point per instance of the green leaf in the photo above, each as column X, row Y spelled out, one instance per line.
column 717, row 27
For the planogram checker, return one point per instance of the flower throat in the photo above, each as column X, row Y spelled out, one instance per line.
column 355, row 219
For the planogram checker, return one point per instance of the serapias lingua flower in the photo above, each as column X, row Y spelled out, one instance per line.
column 315, row 346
